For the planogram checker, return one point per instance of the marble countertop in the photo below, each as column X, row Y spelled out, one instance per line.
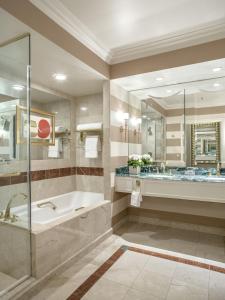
column 177, row 177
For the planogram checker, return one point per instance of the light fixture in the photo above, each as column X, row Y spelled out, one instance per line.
column 18, row 87
column 217, row 69
column 139, row 121
column 144, row 116
column 123, row 117
column 216, row 84
column 83, row 108
column 159, row 78
column 168, row 91
column 59, row 76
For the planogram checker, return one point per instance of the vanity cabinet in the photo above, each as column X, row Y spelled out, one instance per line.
column 195, row 191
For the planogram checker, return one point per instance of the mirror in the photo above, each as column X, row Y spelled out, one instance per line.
column 153, row 131
column 182, row 125
column 49, row 112
column 56, row 112
column 205, row 140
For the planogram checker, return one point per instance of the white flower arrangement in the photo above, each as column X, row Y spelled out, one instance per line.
column 135, row 160
column 147, row 159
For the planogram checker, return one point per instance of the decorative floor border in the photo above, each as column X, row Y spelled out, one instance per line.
column 92, row 279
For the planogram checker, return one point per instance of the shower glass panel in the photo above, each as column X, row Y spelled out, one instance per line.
column 15, row 260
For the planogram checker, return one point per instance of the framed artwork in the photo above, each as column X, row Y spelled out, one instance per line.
column 42, row 126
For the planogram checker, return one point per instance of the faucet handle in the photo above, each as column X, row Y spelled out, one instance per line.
column 13, row 218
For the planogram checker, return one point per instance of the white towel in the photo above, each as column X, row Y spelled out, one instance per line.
column 136, row 198
column 89, row 126
column 55, row 150
column 92, row 146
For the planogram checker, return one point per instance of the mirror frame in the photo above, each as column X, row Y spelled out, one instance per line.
column 194, row 127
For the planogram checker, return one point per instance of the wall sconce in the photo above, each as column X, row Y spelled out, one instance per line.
column 123, row 117
column 135, row 122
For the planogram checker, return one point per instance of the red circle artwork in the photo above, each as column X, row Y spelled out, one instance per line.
column 43, row 129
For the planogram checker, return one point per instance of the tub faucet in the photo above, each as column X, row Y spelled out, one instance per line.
column 47, row 203
column 7, row 214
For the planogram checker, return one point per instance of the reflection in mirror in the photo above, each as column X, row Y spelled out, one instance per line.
column 50, row 139
column 153, row 130
column 50, row 126
column 183, row 125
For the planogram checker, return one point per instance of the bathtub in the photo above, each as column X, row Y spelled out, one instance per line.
column 65, row 205
column 78, row 220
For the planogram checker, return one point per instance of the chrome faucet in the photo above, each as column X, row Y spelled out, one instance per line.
column 7, row 214
column 218, row 166
column 47, row 203
column 163, row 167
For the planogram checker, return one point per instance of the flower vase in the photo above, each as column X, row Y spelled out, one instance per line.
column 134, row 170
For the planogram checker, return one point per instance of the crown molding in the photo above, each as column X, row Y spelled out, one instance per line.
column 64, row 18
column 177, row 40
column 198, row 35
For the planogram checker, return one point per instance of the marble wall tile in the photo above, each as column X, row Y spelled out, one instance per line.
column 90, row 183
column 52, row 187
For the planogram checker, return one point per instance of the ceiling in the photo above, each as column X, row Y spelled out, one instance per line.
column 120, row 30
column 46, row 59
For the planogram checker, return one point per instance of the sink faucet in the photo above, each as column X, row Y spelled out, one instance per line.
column 163, row 167
column 7, row 214
column 218, row 168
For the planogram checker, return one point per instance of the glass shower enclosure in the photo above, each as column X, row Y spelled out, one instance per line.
column 15, row 238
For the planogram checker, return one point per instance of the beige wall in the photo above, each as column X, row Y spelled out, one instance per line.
column 94, row 113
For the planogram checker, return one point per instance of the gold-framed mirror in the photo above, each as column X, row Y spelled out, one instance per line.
column 205, row 143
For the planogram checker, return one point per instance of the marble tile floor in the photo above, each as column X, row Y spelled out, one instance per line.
column 199, row 244
column 135, row 275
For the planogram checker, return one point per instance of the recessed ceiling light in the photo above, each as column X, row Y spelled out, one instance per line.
column 159, row 78
column 83, row 108
column 217, row 69
column 18, row 87
column 144, row 116
column 216, row 84
column 59, row 76
column 168, row 91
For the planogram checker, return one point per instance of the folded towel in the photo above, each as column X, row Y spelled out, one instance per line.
column 136, row 198
column 92, row 146
column 55, row 150
column 89, row 126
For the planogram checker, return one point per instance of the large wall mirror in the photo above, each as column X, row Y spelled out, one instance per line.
column 181, row 125
column 50, row 125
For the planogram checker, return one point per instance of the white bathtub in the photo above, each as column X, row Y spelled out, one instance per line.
column 62, row 233
column 66, row 204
